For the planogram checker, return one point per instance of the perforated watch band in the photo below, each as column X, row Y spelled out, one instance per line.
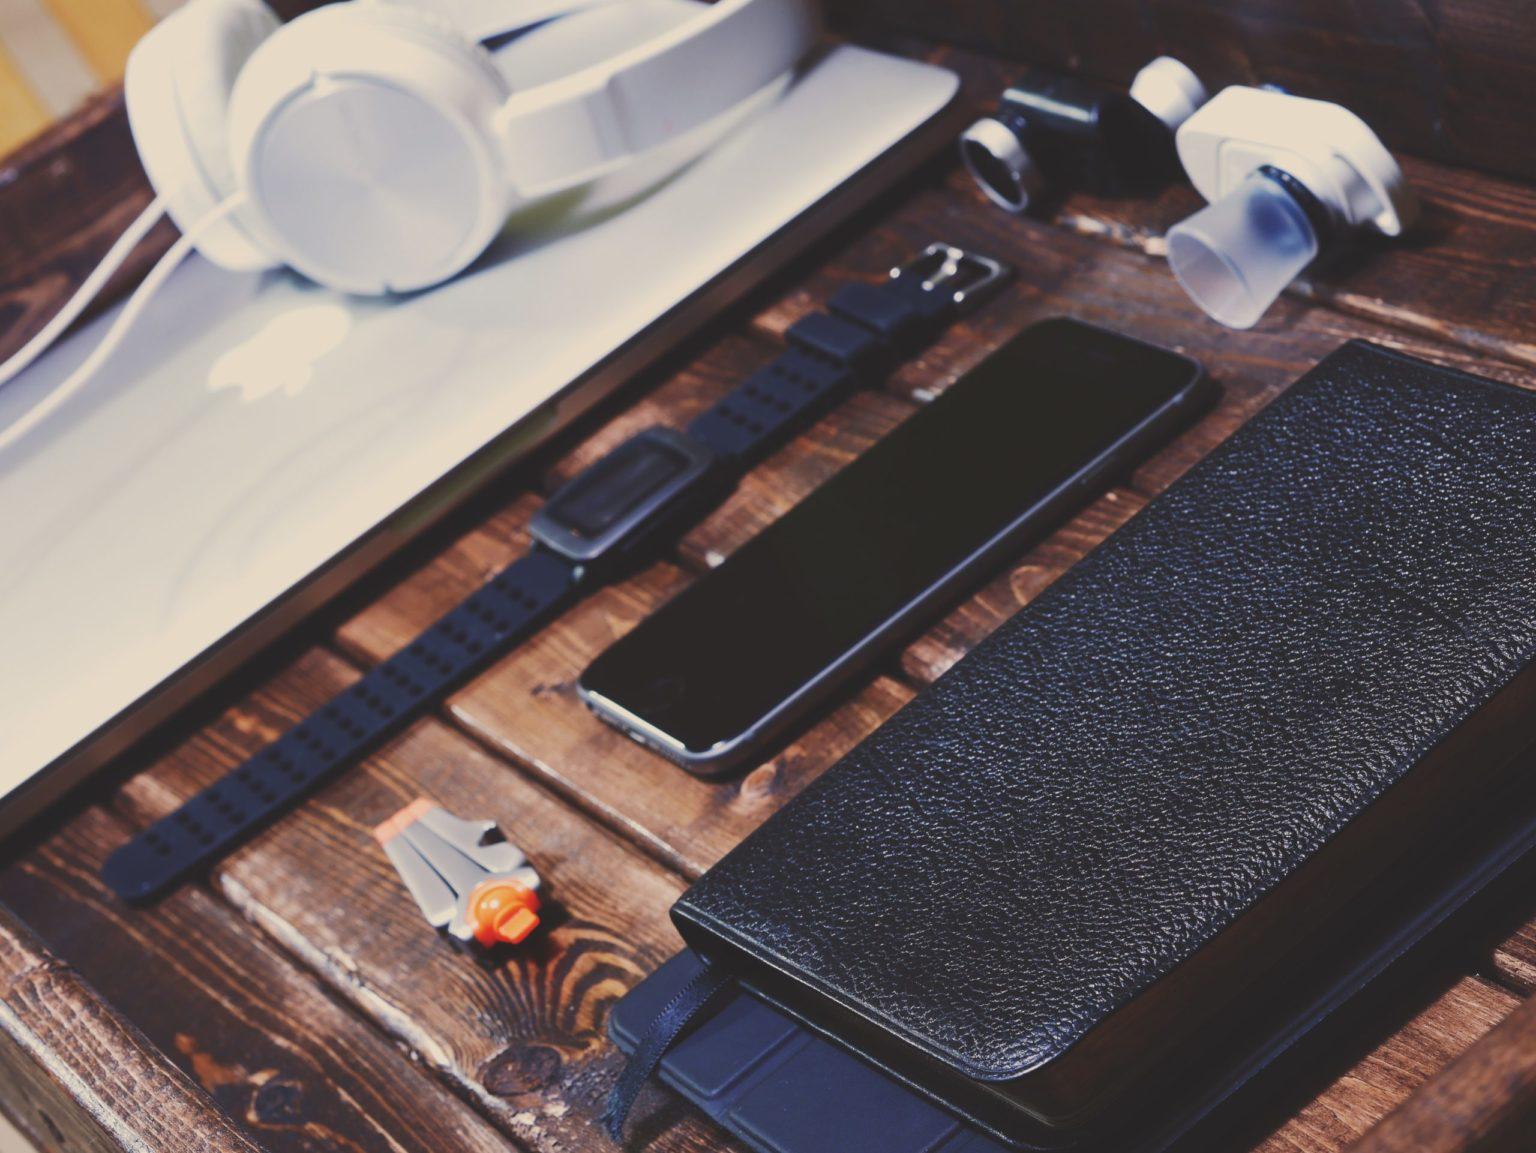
column 503, row 611
column 865, row 330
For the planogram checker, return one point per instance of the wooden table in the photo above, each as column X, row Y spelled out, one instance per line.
column 296, row 1001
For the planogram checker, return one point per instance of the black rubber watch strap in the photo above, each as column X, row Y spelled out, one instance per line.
column 502, row 612
column 763, row 409
column 866, row 329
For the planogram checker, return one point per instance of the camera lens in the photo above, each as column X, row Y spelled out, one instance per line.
column 1236, row 255
column 996, row 159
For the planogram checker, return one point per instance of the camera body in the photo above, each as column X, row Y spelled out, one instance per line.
column 1286, row 177
column 1055, row 131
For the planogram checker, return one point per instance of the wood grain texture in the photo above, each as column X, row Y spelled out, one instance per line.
column 296, row 1069
column 1482, row 1102
column 1390, row 1073
column 1453, row 82
column 88, row 164
column 515, row 707
column 1514, row 959
column 76, row 1075
column 519, row 1035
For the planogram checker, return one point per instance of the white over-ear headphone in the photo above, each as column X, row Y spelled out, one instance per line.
column 375, row 146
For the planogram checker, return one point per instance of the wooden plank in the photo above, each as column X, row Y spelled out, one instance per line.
column 1390, row 1073
column 419, row 597
column 1466, row 275
column 1484, row 1100
column 519, row 1035
column 1057, row 273
column 672, row 393
column 441, row 580
column 1451, row 83
column 1514, row 960
column 76, row 1075
column 297, row 1069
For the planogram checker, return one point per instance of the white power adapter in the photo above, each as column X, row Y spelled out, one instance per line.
column 1282, row 173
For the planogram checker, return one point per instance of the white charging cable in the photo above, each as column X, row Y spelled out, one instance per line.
column 87, row 292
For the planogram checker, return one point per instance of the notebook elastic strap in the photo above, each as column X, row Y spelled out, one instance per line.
column 688, row 1003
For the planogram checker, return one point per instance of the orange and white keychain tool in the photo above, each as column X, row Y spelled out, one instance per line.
column 464, row 876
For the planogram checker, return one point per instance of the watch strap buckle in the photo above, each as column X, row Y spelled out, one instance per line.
column 966, row 277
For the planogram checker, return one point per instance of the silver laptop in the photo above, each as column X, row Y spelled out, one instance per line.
column 258, row 442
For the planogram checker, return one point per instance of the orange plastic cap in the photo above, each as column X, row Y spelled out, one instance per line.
column 502, row 910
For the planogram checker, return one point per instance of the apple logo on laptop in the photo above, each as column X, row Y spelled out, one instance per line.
column 281, row 357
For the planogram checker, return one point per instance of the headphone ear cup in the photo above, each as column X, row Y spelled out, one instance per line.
column 177, row 88
column 363, row 134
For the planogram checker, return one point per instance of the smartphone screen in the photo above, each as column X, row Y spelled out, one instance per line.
column 794, row 603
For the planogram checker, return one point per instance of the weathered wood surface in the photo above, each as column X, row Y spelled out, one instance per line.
column 294, row 1068
column 75, row 1075
column 521, row 1038
column 1454, row 82
column 1388, row 1075
column 313, row 968
column 1456, row 1112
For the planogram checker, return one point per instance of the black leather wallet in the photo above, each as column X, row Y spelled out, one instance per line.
column 1052, row 878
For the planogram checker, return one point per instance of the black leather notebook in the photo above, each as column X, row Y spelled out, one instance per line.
column 1051, row 877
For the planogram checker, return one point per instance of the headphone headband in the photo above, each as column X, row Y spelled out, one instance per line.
column 569, row 131
column 488, row 19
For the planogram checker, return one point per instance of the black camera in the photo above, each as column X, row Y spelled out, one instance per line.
column 1058, row 132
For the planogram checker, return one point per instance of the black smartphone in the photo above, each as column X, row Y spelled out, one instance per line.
column 720, row 672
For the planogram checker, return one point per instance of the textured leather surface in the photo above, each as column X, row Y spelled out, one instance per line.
column 1175, row 726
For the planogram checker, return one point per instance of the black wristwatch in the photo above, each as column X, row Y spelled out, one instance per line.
column 618, row 512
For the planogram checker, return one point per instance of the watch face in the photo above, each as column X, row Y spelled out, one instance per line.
column 620, row 494
column 616, row 485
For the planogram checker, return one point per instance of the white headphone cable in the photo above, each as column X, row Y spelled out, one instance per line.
column 121, row 248
column 125, row 320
